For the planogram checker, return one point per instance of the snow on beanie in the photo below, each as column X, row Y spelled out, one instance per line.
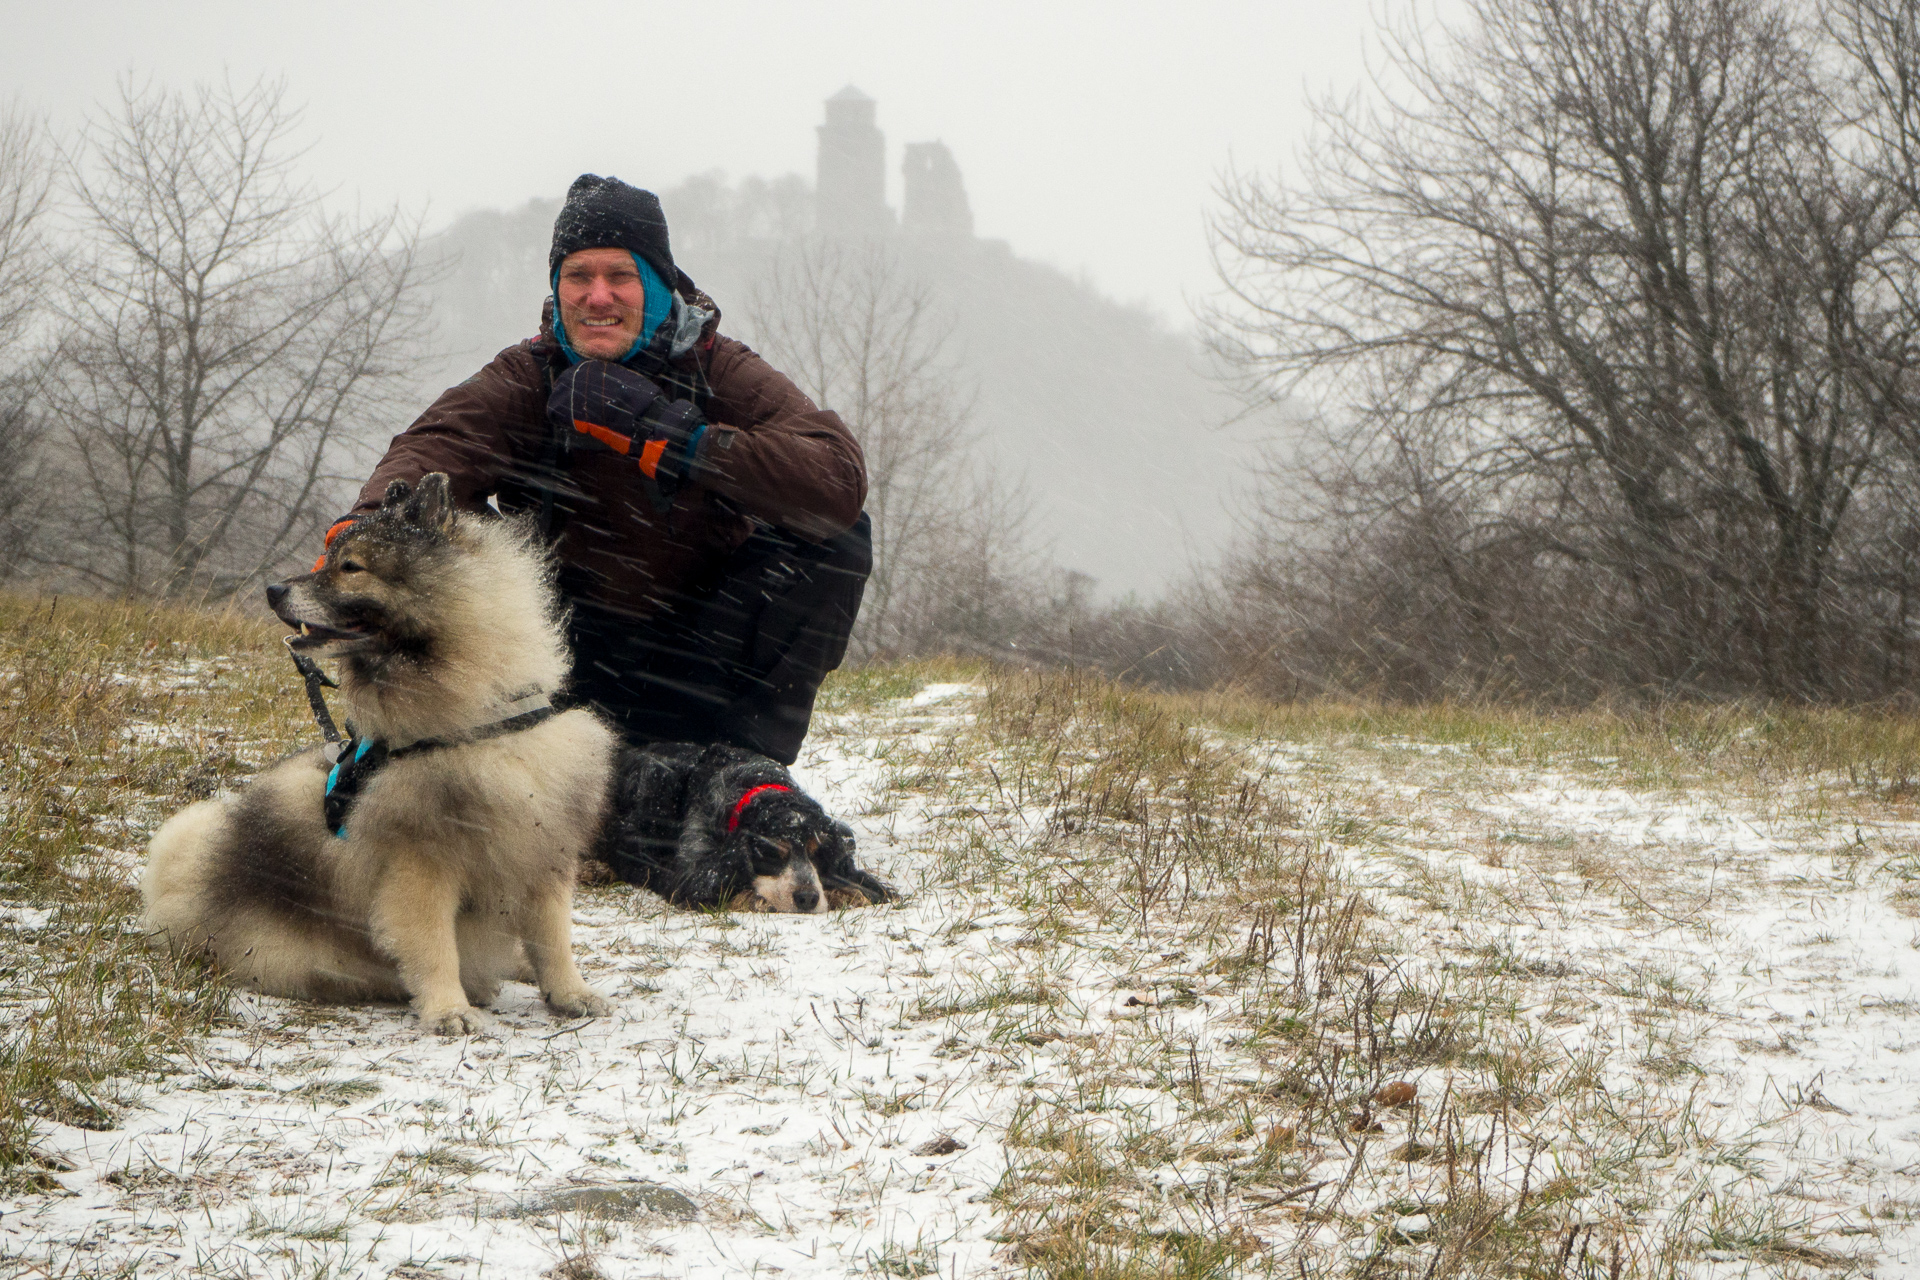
column 606, row 213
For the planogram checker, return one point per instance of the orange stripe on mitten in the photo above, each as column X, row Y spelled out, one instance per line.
column 605, row 435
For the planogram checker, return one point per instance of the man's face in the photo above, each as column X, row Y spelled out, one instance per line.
column 601, row 301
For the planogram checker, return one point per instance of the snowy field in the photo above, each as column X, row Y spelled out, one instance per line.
column 1643, row 1029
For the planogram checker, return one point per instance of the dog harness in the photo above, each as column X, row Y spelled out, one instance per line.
column 733, row 819
column 355, row 759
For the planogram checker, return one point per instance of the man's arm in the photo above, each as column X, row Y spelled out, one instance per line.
column 474, row 432
column 775, row 454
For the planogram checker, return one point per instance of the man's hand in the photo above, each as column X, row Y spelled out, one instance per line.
column 616, row 408
column 602, row 402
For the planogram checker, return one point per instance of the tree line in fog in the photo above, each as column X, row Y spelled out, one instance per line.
column 1611, row 310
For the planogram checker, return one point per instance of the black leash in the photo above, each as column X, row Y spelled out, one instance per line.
column 316, row 681
column 512, row 724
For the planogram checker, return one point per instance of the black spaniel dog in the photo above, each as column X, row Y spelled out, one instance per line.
column 714, row 826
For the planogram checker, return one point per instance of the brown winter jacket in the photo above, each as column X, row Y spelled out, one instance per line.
column 771, row 454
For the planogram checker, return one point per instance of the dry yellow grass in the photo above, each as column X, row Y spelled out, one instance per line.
column 1088, row 806
column 1875, row 748
column 111, row 715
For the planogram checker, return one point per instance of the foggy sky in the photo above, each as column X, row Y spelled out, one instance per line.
column 1090, row 135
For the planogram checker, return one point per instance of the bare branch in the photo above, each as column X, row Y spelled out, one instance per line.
column 225, row 337
column 862, row 338
column 1613, row 301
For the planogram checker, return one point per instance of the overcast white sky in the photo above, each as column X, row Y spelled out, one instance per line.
column 1090, row 135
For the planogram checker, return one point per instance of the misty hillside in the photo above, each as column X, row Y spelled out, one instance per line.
column 1109, row 418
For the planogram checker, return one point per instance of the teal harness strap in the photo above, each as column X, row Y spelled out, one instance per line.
column 359, row 759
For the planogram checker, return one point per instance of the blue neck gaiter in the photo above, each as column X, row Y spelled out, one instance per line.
column 653, row 311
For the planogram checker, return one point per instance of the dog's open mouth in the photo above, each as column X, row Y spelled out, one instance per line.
column 313, row 635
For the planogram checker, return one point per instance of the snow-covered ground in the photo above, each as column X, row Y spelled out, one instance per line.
column 830, row 1096
column 1737, row 969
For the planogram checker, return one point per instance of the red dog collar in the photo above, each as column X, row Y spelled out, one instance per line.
column 733, row 819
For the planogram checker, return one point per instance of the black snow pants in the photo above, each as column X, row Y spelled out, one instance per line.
column 738, row 661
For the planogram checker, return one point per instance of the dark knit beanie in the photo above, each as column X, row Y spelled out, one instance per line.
column 606, row 213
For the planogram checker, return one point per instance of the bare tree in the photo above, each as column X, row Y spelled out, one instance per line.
column 26, row 182
column 863, row 339
column 1608, row 295
column 224, row 339
column 1881, row 39
column 26, row 185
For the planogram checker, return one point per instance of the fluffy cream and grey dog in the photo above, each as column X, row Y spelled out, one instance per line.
column 437, row 858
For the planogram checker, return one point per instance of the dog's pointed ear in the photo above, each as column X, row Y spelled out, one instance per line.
column 397, row 493
column 431, row 506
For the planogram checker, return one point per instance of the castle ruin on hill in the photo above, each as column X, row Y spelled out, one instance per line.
column 850, row 188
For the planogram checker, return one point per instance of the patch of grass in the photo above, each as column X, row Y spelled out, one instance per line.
column 1876, row 750
column 867, row 686
column 297, row 1223
column 988, row 1001
column 435, row 1165
column 337, row 1093
column 908, row 1261
column 112, row 715
column 573, row 1267
column 1119, row 800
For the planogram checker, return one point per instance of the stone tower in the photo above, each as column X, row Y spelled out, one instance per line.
column 935, row 200
column 850, row 190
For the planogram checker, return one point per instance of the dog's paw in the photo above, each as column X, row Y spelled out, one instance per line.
column 592, row 871
column 843, row 897
column 583, row 1003
column 483, row 997
column 455, row 1022
column 748, row 900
